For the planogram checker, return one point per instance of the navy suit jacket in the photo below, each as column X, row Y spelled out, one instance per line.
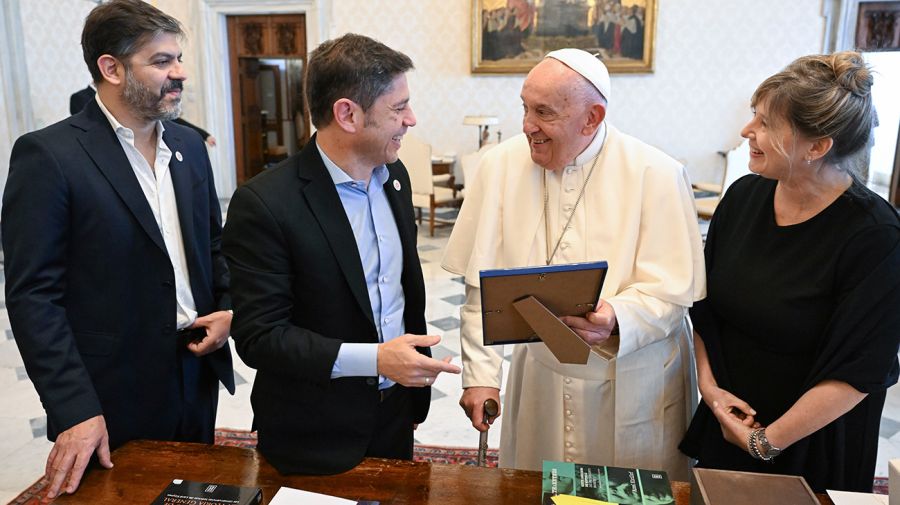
column 299, row 292
column 80, row 98
column 89, row 285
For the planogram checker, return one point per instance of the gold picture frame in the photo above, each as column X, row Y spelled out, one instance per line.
column 511, row 36
column 878, row 26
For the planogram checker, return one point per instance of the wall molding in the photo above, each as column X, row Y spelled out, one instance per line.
column 14, row 89
column 14, row 69
column 214, row 69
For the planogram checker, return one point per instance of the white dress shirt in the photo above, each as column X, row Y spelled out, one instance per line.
column 156, row 183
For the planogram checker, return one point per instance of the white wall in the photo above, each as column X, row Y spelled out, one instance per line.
column 710, row 55
column 886, row 66
column 56, row 69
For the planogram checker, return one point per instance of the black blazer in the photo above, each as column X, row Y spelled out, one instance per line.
column 89, row 285
column 299, row 291
column 80, row 98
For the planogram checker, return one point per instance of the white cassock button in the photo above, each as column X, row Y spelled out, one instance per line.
column 396, row 184
column 178, row 156
column 568, row 380
column 569, row 413
column 568, row 428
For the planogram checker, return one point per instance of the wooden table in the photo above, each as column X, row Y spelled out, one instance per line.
column 144, row 468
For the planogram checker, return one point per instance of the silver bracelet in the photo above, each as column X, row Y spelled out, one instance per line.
column 751, row 444
column 758, row 439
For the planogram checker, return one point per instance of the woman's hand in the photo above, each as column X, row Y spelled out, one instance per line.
column 734, row 429
column 733, row 406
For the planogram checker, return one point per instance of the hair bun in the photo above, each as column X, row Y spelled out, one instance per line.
column 852, row 73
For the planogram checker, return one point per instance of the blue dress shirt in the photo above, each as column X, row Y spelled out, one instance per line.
column 381, row 254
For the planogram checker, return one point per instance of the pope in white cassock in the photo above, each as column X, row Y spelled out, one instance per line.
column 571, row 189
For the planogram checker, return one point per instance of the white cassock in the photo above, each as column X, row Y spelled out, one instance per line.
column 637, row 214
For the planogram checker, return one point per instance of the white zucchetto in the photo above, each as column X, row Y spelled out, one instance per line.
column 588, row 65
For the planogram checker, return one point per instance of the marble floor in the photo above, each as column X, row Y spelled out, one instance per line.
column 23, row 425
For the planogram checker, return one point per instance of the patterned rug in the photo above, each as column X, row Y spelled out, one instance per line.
column 426, row 453
column 247, row 440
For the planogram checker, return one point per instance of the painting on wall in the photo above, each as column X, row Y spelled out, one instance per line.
column 878, row 26
column 511, row 36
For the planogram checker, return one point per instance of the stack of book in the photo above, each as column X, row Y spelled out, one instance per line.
column 577, row 484
column 187, row 492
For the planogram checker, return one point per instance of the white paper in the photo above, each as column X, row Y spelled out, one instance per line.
column 894, row 481
column 848, row 498
column 290, row 496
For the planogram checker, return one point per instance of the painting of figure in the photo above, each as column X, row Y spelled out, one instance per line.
column 510, row 36
column 878, row 26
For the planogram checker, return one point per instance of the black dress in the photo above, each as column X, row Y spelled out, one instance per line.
column 788, row 307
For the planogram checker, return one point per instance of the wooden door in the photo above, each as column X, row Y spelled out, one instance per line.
column 251, row 38
column 251, row 125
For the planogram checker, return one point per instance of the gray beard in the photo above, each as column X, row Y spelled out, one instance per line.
column 144, row 103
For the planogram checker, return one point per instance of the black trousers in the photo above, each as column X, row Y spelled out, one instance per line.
column 199, row 400
column 394, row 427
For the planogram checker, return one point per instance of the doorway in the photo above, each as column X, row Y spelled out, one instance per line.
column 267, row 54
column 884, row 162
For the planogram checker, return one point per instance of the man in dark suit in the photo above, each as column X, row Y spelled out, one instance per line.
column 116, row 286
column 326, row 280
column 81, row 98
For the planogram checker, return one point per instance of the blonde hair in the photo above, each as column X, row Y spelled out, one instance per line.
column 824, row 95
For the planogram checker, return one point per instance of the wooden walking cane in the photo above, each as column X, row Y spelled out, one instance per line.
column 490, row 412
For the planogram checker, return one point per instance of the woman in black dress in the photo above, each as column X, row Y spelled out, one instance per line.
column 797, row 339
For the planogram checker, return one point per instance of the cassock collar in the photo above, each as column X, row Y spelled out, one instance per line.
column 593, row 149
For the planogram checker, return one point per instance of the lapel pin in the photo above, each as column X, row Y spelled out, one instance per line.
column 178, row 156
column 396, row 184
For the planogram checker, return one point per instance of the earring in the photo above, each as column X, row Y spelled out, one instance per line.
column 808, row 161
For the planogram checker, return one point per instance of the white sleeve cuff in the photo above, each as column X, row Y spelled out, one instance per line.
column 356, row 360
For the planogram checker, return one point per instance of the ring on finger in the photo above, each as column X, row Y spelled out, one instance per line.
column 427, row 380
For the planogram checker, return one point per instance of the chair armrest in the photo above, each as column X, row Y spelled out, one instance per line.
column 707, row 186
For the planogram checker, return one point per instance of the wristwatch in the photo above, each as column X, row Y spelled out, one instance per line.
column 767, row 451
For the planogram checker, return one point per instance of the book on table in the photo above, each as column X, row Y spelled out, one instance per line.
column 580, row 484
column 188, row 492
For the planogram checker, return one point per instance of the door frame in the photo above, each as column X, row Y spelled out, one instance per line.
column 215, row 69
column 894, row 192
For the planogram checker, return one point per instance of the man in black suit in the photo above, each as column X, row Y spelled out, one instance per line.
column 116, row 286
column 81, row 98
column 326, row 280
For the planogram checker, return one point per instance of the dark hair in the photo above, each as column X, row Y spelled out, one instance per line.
column 119, row 28
column 354, row 67
column 825, row 95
